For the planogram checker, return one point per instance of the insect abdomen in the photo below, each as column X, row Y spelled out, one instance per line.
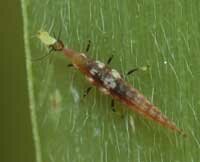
column 110, row 82
column 137, row 102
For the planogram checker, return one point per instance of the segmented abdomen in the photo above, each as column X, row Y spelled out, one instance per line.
column 111, row 83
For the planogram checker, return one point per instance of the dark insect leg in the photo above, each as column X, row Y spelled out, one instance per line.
column 70, row 65
column 132, row 71
column 109, row 59
column 143, row 68
column 113, row 105
column 87, row 91
column 120, row 112
column 88, row 46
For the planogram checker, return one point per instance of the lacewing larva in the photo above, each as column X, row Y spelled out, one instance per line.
column 109, row 81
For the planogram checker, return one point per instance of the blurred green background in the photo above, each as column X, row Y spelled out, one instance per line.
column 16, row 142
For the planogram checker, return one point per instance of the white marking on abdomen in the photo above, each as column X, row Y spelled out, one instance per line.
column 100, row 64
column 116, row 74
column 109, row 82
column 93, row 71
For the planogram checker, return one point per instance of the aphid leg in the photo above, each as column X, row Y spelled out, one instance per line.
column 109, row 59
column 70, row 65
column 143, row 68
column 51, row 49
column 44, row 56
column 113, row 105
column 88, row 46
column 87, row 91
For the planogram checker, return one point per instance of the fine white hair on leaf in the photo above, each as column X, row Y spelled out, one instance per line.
column 56, row 99
column 132, row 123
column 75, row 94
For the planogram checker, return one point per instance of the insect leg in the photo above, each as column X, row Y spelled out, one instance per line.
column 120, row 113
column 113, row 105
column 132, row 71
column 87, row 91
column 70, row 65
column 143, row 68
column 44, row 56
column 88, row 46
column 109, row 59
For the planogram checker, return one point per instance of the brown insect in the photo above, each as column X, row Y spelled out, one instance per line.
column 110, row 82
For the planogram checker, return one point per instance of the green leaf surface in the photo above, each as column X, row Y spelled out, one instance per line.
column 164, row 34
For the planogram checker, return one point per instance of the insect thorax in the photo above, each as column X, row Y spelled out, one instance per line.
column 110, row 80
